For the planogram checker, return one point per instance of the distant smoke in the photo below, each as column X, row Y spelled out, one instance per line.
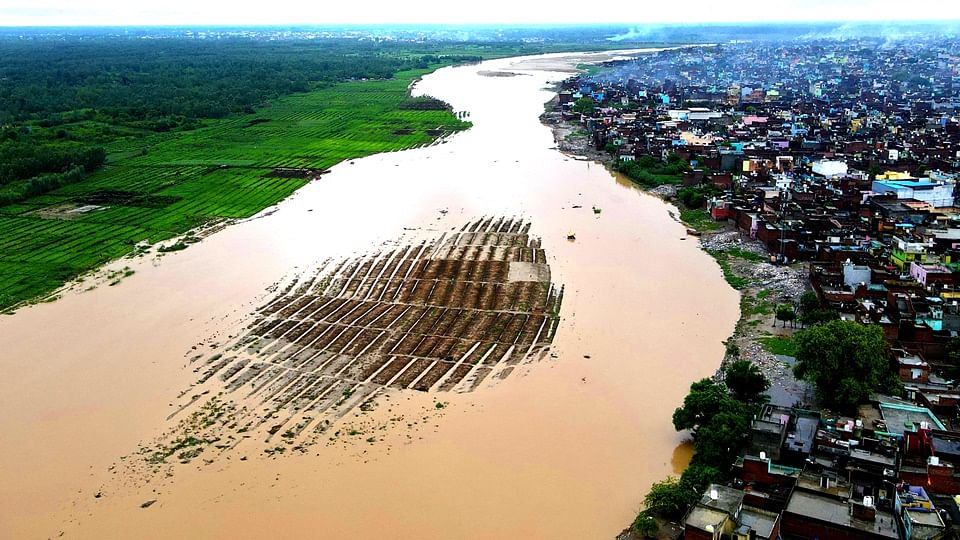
column 633, row 34
column 891, row 33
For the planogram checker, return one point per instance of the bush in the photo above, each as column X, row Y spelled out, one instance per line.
column 669, row 498
column 645, row 525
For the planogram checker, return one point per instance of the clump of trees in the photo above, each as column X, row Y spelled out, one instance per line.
column 718, row 417
column 746, row 382
column 811, row 313
column 695, row 197
column 28, row 170
column 585, row 105
column 846, row 361
column 652, row 172
column 786, row 314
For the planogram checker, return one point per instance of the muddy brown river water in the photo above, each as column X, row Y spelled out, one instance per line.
column 563, row 448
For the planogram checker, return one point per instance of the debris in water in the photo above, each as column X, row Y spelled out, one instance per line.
column 571, row 236
column 596, row 210
column 148, row 504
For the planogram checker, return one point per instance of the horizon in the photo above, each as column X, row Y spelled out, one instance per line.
column 512, row 25
column 182, row 13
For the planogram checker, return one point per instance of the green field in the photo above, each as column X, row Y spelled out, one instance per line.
column 159, row 185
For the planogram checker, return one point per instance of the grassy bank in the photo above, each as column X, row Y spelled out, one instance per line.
column 160, row 186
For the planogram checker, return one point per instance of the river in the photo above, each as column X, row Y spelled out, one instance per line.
column 564, row 448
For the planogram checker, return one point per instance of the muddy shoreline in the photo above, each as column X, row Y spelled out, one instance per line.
column 767, row 284
column 770, row 284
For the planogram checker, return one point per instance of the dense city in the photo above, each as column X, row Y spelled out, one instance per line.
column 836, row 161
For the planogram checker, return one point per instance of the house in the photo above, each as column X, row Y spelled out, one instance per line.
column 824, row 511
column 721, row 513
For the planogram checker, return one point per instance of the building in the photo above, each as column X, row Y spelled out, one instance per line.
column 938, row 194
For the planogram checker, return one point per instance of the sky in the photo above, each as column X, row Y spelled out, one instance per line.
column 320, row 12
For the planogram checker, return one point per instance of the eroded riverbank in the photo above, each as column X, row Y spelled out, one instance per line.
column 563, row 448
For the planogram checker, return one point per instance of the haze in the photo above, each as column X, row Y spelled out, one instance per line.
column 224, row 12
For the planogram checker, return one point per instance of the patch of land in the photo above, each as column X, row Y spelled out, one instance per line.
column 500, row 74
column 443, row 314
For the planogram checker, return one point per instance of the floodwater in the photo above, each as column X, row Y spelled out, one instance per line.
column 564, row 448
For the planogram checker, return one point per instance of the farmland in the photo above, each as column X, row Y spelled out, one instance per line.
column 156, row 186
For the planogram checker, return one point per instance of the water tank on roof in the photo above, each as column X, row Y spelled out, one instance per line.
column 714, row 495
column 763, row 456
column 868, row 501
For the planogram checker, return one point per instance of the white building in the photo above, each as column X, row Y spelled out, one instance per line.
column 830, row 169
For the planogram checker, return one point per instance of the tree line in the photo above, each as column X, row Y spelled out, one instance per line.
column 61, row 102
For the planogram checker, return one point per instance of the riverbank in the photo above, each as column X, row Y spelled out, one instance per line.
column 745, row 264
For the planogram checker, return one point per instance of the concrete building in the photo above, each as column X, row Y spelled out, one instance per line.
column 937, row 194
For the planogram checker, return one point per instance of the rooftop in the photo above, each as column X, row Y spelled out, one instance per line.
column 701, row 517
column 830, row 510
column 901, row 418
column 728, row 500
column 759, row 520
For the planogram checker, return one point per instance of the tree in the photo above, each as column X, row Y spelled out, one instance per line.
column 669, row 498
column 585, row 105
column 705, row 399
column 786, row 314
column 699, row 476
column 846, row 361
column 645, row 525
column 811, row 313
column 718, row 442
column 809, row 301
column 691, row 197
column 819, row 316
column 719, row 423
column 745, row 381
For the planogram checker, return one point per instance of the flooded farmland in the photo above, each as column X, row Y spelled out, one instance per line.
column 386, row 352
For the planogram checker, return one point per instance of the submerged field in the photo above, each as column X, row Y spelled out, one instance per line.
column 157, row 187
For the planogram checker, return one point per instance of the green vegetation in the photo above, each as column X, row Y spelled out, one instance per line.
column 718, row 422
column 718, row 416
column 192, row 434
column 745, row 381
column 782, row 345
column 585, row 105
column 668, row 498
column 589, row 70
column 699, row 220
column 649, row 171
column 810, row 312
column 645, row 525
column 752, row 306
column 732, row 278
column 749, row 256
column 846, row 361
column 160, row 184
column 787, row 314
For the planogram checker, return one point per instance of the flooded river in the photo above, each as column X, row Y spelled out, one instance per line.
column 563, row 448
